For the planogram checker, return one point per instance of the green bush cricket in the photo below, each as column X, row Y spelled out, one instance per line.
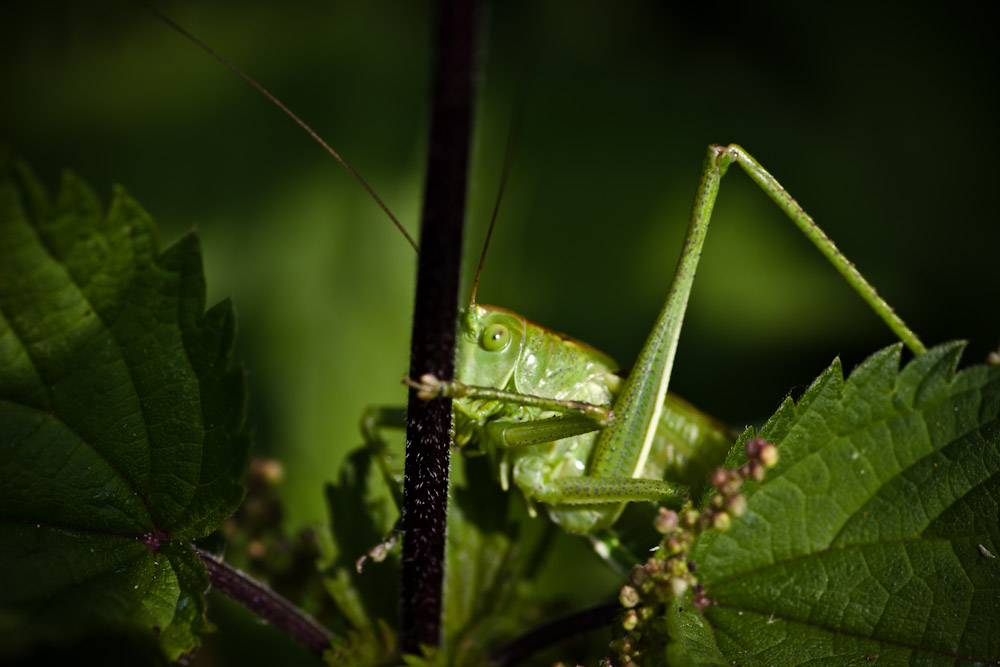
column 514, row 379
column 557, row 419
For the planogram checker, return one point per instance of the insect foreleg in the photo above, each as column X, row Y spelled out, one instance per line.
column 431, row 387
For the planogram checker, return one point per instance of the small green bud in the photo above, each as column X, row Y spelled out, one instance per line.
column 631, row 620
column 677, row 567
column 768, row 455
column 629, row 597
column 736, row 505
column 721, row 521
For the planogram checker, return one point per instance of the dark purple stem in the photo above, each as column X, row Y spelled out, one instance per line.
column 553, row 632
column 267, row 604
column 425, row 487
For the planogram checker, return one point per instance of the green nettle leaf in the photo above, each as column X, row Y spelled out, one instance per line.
column 120, row 417
column 482, row 565
column 367, row 601
column 482, row 579
column 874, row 537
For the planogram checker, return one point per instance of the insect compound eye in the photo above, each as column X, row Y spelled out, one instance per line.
column 495, row 337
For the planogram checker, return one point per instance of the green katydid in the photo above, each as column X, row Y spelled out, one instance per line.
column 568, row 431
column 575, row 437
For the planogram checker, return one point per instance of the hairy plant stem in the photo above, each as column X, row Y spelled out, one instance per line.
column 425, row 486
column 261, row 600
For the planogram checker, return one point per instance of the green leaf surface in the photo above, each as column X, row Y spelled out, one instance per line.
column 120, row 417
column 360, row 518
column 485, row 581
column 481, row 572
column 871, row 538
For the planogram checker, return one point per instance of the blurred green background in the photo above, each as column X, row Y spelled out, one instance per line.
column 879, row 118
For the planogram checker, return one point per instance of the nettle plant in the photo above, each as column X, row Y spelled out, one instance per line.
column 874, row 534
column 859, row 523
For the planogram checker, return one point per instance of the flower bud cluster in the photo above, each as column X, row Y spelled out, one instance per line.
column 669, row 574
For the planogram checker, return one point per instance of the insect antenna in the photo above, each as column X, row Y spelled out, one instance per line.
column 507, row 158
column 278, row 103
